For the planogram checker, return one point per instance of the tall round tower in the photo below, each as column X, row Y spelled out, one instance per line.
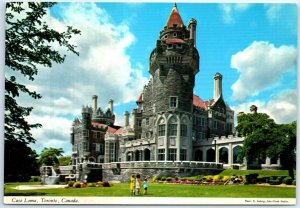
column 174, row 62
column 168, row 98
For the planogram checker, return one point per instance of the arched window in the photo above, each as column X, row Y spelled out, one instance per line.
column 235, row 151
column 210, row 155
column 161, row 128
column 198, row 155
column 223, row 155
column 147, row 154
column 172, row 127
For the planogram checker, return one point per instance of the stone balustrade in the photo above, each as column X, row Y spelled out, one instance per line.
column 163, row 164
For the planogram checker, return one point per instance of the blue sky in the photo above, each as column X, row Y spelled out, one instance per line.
column 254, row 47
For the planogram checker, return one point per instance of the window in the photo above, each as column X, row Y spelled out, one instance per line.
column 183, row 154
column 138, row 122
column 85, row 146
column 172, row 154
column 172, row 129
column 179, row 46
column 173, row 102
column 95, row 147
column 169, row 46
column 161, row 154
column 183, row 130
column 161, row 130
column 85, row 133
column 166, row 36
column 112, row 152
column 174, row 34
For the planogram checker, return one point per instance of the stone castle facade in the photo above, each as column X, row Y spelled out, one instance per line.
column 170, row 123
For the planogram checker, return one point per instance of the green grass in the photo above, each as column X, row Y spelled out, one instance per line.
column 162, row 190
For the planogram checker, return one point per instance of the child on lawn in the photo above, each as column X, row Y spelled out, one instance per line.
column 145, row 185
column 138, row 184
column 132, row 185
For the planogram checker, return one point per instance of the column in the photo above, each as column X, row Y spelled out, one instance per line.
column 217, row 153
column 178, row 139
column 166, row 141
column 204, row 154
column 230, row 156
column 268, row 161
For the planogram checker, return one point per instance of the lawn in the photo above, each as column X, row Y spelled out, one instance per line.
column 162, row 190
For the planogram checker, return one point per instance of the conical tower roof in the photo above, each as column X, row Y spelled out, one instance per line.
column 174, row 18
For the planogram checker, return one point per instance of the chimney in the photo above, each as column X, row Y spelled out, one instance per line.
column 94, row 99
column 134, row 111
column 192, row 27
column 111, row 105
column 217, row 86
column 126, row 114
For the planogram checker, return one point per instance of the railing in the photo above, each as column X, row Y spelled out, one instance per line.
column 164, row 164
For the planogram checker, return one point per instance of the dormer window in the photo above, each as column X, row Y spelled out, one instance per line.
column 166, row 36
column 174, row 25
column 174, row 34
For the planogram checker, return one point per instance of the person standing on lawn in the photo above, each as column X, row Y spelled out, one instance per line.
column 138, row 184
column 145, row 186
column 132, row 185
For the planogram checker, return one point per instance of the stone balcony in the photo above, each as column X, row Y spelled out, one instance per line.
column 138, row 142
column 163, row 165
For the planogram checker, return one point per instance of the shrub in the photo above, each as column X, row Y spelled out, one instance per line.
column 91, row 185
column 176, row 178
column 209, row 178
column 158, row 178
column 294, row 182
column 263, row 179
column 106, row 184
column 71, row 183
column 169, row 179
column 77, row 184
column 163, row 178
column 274, row 182
column 288, row 180
column 199, row 177
column 35, row 179
column 225, row 178
column 251, row 178
column 216, row 178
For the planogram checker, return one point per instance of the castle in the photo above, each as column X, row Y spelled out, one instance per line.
column 172, row 129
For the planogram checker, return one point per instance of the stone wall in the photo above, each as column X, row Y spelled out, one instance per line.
column 122, row 171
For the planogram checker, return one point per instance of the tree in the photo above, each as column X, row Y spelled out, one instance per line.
column 28, row 46
column 64, row 160
column 263, row 137
column 49, row 156
column 22, row 162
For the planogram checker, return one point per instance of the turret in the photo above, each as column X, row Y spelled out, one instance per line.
column 192, row 28
column 126, row 115
column 217, row 86
column 111, row 105
column 94, row 101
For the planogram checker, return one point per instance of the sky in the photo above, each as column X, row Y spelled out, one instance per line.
column 254, row 47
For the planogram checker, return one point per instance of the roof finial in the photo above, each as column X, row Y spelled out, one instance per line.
column 175, row 5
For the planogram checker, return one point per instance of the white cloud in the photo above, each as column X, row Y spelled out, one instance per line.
column 273, row 12
column 229, row 11
column 260, row 65
column 282, row 107
column 103, row 68
column 55, row 132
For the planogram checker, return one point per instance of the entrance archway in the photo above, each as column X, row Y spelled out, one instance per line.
column 223, row 155
column 198, row 155
column 210, row 155
column 147, row 155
